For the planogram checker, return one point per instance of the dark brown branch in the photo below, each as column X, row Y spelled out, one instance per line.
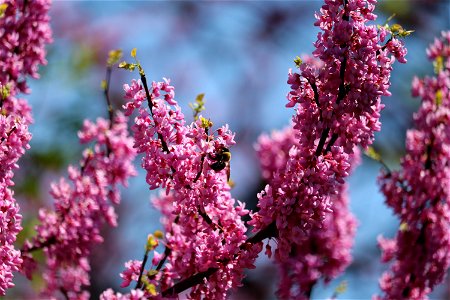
column 188, row 283
column 204, row 215
column 51, row 240
column 167, row 252
column 150, row 105
column 106, row 92
column 201, row 168
column 268, row 232
column 8, row 134
column 144, row 261
column 342, row 92
column 428, row 161
column 109, row 106
column 316, row 92
column 333, row 139
column 322, row 140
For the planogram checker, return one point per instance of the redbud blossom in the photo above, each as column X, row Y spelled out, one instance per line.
column 326, row 252
column 204, row 230
column 419, row 192
column 24, row 31
column 338, row 106
column 83, row 204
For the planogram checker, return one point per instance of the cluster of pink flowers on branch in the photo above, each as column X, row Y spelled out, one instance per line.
column 204, row 230
column 419, row 192
column 304, row 206
column 326, row 252
column 83, row 204
column 24, row 31
column 338, row 107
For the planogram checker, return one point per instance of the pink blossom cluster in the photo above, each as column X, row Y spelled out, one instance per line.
column 134, row 294
column 130, row 274
column 419, row 192
column 83, row 204
column 13, row 142
column 326, row 252
column 24, row 31
column 204, row 230
column 338, row 107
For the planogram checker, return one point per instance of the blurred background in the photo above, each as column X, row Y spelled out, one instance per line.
column 238, row 54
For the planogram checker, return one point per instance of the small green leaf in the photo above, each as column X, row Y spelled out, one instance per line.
column 151, row 288
column 206, row 123
column 103, row 84
column 395, row 28
column 152, row 242
column 199, row 98
column 341, row 288
column 439, row 97
column 370, row 152
column 404, row 226
column 158, row 234
column 438, row 64
column 151, row 273
column 127, row 66
column 405, row 33
column 398, row 31
column 114, row 57
column 298, row 61
column 198, row 106
column 5, row 91
column 3, row 8
column 133, row 53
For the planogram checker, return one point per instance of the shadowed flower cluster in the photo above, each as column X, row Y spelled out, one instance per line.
column 204, row 230
column 24, row 31
column 337, row 99
column 83, row 204
column 419, row 192
column 326, row 252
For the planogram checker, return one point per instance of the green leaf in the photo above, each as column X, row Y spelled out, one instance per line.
column 158, row 234
column 396, row 28
column 370, row 152
column 3, row 8
column 438, row 64
column 199, row 105
column 298, row 61
column 5, row 91
column 103, row 84
column 341, row 288
column 404, row 226
column 151, row 288
column 439, row 97
column 398, row 31
column 114, row 57
column 152, row 243
column 127, row 66
column 206, row 123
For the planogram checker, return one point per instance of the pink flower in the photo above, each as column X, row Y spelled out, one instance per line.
column 24, row 31
column 131, row 272
column 204, row 230
column 338, row 107
column 132, row 295
column 325, row 253
column 83, row 203
column 418, row 193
